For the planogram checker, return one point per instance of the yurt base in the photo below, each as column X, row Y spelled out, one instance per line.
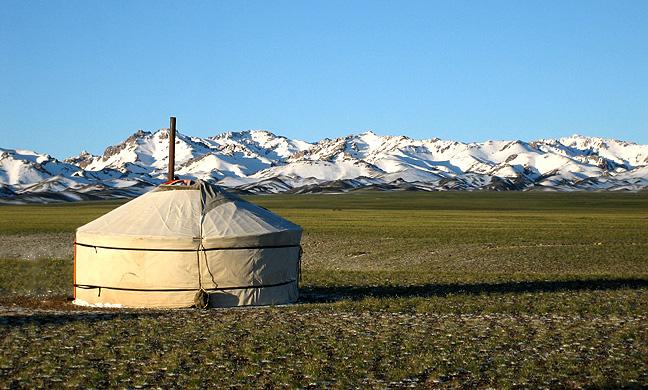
column 272, row 295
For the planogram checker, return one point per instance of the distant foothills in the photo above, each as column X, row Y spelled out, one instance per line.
column 260, row 162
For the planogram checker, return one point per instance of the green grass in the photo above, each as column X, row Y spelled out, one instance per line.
column 496, row 290
column 52, row 218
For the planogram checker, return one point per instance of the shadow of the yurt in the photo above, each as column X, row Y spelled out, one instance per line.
column 223, row 299
column 326, row 294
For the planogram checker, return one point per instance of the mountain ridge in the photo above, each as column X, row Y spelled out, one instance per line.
column 259, row 161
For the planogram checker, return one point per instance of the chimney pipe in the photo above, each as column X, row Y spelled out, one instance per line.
column 172, row 135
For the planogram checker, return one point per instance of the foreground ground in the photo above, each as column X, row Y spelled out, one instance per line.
column 399, row 290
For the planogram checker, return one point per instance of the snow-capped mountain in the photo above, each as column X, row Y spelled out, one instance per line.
column 261, row 162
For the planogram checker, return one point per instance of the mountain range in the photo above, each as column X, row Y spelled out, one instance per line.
column 259, row 161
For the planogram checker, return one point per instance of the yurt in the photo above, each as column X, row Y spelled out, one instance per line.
column 187, row 244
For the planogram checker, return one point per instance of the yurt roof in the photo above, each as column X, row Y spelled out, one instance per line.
column 188, row 216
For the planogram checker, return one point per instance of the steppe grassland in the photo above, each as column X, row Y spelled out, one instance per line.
column 399, row 289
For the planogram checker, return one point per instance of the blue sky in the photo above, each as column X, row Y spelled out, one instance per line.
column 85, row 74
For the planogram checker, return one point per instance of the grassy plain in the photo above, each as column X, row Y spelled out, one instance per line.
column 501, row 290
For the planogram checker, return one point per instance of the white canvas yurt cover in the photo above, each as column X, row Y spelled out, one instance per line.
column 186, row 244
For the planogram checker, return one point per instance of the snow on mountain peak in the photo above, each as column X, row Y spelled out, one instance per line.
column 260, row 161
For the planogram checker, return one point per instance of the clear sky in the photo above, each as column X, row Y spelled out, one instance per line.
column 85, row 74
